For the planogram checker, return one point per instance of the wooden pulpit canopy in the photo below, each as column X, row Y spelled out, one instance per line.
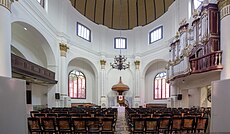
column 120, row 87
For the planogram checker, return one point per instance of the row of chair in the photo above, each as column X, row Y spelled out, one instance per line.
column 70, row 125
column 169, row 125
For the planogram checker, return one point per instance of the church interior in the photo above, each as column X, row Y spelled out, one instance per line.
column 114, row 66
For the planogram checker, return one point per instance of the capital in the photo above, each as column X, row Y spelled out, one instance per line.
column 63, row 49
column 103, row 62
column 137, row 64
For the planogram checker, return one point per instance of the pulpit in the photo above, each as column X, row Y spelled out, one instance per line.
column 120, row 88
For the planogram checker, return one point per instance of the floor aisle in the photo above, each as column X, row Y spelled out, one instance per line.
column 121, row 125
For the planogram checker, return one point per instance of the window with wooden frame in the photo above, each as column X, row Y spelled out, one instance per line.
column 161, row 87
column 77, row 85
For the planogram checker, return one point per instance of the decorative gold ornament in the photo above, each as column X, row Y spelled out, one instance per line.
column 103, row 62
column 63, row 49
column 137, row 64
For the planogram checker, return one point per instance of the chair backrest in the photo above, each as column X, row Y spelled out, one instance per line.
column 94, row 124
column 108, row 124
column 151, row 124
column 138, row 124
column 48, row 124
column 176, row 123
column 79, row 124
column 188, row 123
column 201, row 123
column 64, row 124
column 164, row 123
column 34, row 124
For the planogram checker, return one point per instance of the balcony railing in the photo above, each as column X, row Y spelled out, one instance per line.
column 209, row 62
column 29, row 69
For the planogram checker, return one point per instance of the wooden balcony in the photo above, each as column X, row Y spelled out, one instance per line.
column 209, row 62
column 30, row 71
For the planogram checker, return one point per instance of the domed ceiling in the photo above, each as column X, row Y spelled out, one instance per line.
column 122, row 14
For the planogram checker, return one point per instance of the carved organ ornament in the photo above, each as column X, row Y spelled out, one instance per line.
column 196, row 47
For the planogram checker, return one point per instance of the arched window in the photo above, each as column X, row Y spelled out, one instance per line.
column 161, row 88
column 77, row 85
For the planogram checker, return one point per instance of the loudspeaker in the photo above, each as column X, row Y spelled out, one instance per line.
column 57, row 96
column 28, row 97
column 179, row 97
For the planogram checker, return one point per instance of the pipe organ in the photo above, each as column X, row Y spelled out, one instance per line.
column 196, row 46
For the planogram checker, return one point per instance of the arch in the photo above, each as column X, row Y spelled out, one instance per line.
column 87, row 67
column 31, row 34
column 87, row 61
column 150, row 64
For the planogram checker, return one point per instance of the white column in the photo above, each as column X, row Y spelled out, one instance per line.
column 224, row 7
column 137, row 78
column 137, row 84
column 5, row 38
column 103, row 97
column 63, row 74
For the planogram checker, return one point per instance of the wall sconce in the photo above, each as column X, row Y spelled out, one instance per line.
column 137, row 64
column 103, row 62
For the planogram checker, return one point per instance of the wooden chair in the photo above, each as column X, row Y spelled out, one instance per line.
column 151, row 126
column 188, row 124
column 201, row 124
column 33, row 112
column 94, row 125
column 79, row 125
column 34, row 125
column 39, row 115
column 108, row 126
column 176, row 125
column 64, row 125
column 164, row 125
column 138, row 126
column 51, row 115
column 63, row 115
column 48, row 125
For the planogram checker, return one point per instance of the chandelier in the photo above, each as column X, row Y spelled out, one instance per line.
column 120, row 60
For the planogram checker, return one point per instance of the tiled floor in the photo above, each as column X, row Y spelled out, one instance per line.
column 121, row 125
